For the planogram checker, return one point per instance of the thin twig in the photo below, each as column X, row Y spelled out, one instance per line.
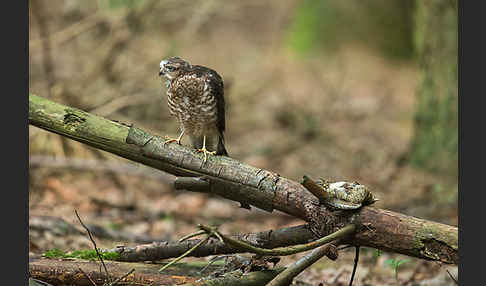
column 314, row 188
column 452, row 277
column 218, row 236
column 344, row 247
column 119, row 279
column 87, row 276
column 185, row 254
column 211, row 261
column 286, row 277
column 282, row 251
column 356, row 259
column 40, row 282
column 191, row 235
column 94, row 243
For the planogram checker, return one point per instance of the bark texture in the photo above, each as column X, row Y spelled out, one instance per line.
column 73, row 272
column 84, row 273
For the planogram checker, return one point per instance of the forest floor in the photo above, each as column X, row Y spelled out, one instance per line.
column 347, row 117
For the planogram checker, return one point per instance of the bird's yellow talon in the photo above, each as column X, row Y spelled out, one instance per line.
column 170, row 140
column 206, row 153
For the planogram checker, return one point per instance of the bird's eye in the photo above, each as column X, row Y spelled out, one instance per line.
column 171, row 69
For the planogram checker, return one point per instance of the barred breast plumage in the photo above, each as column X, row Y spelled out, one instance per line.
column 190, row 99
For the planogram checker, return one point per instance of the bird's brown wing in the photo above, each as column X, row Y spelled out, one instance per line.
column 215, row 82
column 218, row 87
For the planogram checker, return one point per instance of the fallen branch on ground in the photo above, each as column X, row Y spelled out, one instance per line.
column 163, row 250
column 234, row 180
column 67, row 272
column 283, row 251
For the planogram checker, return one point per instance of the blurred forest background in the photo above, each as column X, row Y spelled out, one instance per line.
column 361, row 91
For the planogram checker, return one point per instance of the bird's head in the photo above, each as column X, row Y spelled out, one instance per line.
column 173, row 67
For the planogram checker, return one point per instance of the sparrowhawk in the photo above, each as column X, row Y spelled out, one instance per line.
column 195, row 96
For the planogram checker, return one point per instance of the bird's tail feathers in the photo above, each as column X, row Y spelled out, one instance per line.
column 221, row 147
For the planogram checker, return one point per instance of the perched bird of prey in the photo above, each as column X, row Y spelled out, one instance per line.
column 195, row 96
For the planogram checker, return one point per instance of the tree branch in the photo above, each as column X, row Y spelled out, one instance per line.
column 286, row 276
column 163, row 250
column 234, row 180
column 283, row 251
column 83, row 272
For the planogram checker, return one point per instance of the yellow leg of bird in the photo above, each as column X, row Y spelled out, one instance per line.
column 205, row 151
column 170, row 140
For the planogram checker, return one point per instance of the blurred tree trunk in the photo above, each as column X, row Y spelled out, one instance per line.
column 435, row 141
column 324, row 26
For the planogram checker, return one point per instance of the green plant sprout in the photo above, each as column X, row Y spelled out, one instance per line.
column 394, row 264
column 377, row 254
